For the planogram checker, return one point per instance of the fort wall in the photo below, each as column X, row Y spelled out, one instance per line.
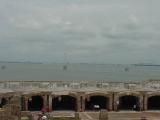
column 81, row 95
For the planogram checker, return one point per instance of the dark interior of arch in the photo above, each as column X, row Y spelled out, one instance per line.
column 96, row 100
column 35, row 104
column 64, row 102
column 154, row 103
column 3, row 102
column 128, row 102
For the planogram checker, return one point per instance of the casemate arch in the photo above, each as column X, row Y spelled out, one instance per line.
column 96, row 100
column 64, row 102
column 35, row 103
column 128, row 102
column 3, row 101
column 153, row 102
column 86, row 101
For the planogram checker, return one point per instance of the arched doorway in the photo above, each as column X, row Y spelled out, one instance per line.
column 154, row 103
column 128, row 102
column 3, row 102
column 100, row 101
column 64, row 102
column 35, row 103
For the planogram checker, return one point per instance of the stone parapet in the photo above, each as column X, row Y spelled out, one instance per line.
column 79, row 85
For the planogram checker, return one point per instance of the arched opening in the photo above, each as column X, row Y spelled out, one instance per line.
column 154, row 103
column 35, row 103
column 64, row 102
column 101, row 101
column 128, row 102
column 3, row 102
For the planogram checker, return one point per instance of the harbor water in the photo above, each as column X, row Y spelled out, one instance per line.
column 110, row 72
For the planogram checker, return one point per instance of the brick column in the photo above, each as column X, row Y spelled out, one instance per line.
column 141, row 103
column 110, row 100
column 45, row 100
column 26, row 103
column 50, row 102
column 115, row 99
column 145, row 99
column 83, row 104
column 78, row 103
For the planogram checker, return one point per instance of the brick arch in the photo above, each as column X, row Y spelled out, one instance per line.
column 135, row 94
column 35, row 102
column 26, row 99
column 3, row 102
column 98, row 98
column 74, row 95
column 28, row 95
column 153, row 101
column 135, row 98
column 35, row 94
column 153, row 94
column 71, row 95
column 66, row 102
column 97, row 94
column 57, row 96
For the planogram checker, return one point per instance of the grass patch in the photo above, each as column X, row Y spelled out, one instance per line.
column 25, row 118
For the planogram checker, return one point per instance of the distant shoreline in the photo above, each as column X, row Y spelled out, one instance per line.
column 30, row 62
column 25, row 62
column 146, row 65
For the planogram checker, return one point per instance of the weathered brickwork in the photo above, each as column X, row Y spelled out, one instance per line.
column 82, row 94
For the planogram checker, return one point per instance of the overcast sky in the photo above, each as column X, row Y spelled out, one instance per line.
column 93, row 31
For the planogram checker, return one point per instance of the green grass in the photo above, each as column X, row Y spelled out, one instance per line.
column 25, row 118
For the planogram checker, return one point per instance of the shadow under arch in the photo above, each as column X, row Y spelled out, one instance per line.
column 96, row 99
column 129, row 102
column 153, row 102
column 64, row 102
column 35, row 103
column 3, row 102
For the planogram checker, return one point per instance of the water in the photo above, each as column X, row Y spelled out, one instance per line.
column 26, row 71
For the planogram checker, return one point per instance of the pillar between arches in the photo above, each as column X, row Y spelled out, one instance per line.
column 50, row 102
column 45, row 102
column 141, row 104
column 110, row 104
column 26, row 103
column 78, row 104
column 82, row 103
column 145, row 99
column 115, row 101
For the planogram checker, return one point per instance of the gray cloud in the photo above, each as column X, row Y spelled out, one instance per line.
column 103, row 31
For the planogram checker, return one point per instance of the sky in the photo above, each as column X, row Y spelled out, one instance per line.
column 80, row 31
